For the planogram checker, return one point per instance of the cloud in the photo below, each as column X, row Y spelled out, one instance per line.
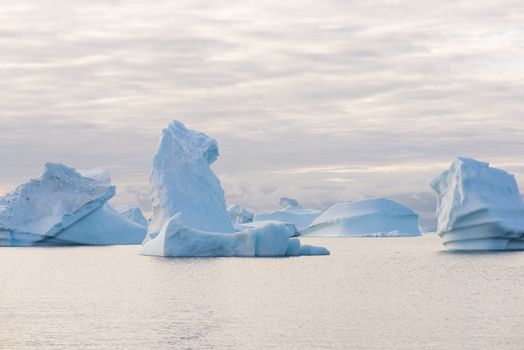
column 325, row 101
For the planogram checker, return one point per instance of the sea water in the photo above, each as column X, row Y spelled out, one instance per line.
column 371, row 293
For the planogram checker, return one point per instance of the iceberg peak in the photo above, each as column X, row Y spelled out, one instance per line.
column 183, row 182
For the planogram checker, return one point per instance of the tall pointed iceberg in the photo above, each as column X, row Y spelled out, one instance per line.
column 190, row 217
column 479, row 207
column 182, row 181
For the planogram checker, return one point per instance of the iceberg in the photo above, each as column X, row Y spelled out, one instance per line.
column 177, row 240
column 190, row 217
column 479, row 207
column 183, row 182
column 292, row 212
column 365, row 218
column 239, row 215
column 134, row 214
column 63, row 207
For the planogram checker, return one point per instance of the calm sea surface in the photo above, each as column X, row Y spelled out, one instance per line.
column 371, row 293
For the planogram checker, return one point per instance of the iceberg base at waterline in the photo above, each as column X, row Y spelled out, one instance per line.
column 177, row 240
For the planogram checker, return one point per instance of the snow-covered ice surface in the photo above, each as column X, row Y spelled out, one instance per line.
column 479, row 207
column 292, row 212
column 239, row 215
column 365, row 218
column 189, row 211
column 134, row 214
column 64, row 206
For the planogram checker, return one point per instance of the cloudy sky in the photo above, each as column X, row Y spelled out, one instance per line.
column 324, row 101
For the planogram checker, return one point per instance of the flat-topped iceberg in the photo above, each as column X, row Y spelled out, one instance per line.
column 365, row 218
column 134, row 214
column 64, row 206
column 177, row 240
column 479, row 207
column 239, row 215
column 292, row 212
column 189, row 211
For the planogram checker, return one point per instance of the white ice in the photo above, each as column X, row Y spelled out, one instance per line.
column 177, row 240
column 189, row 210
column 104, row 226
column 479, row 207
column 292, row 212
column 182, row 181
column 365, row 218
column 54, row 209
column 239, row 215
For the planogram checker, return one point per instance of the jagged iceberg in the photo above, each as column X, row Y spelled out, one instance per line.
column 189, row 210
column 239, row 215
column 64, row 207
column 479, row 207
column 292, row 212
column 134, row 214
column 365, row 218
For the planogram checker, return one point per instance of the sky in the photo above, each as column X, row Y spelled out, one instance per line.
column 324, row 101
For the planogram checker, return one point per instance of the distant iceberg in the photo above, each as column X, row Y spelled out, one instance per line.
column 65, row 207
column 189, row 211
column 134, row 214
column 292, row 212
column 479, row 207
column 365, row 218
column 239, row 215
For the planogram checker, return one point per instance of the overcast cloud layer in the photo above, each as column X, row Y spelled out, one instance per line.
column 324, row 101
